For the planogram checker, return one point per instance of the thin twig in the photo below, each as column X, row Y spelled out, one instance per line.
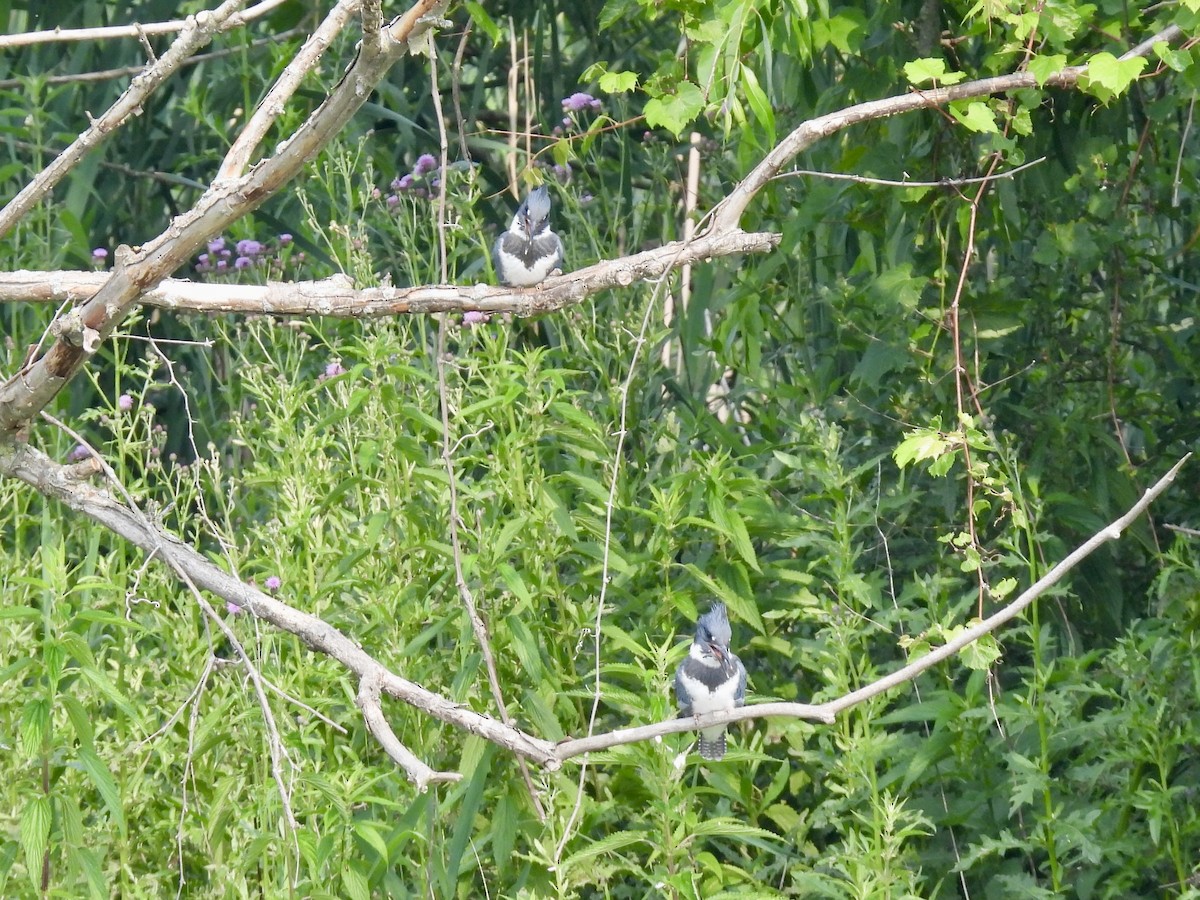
column 464, row 591
column 885, row 182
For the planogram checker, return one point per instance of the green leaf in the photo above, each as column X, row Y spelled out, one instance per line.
column 355, row 884
column 35, row 726
column 740, row 607
column 981, row 654
column 741, row 539
column 931, row 71
column 618, row 82
column 371, row 835
column 975, row 115
column 758, row 101
column 81, row 720
column 35, row 834
column 481, row 19
column 98, row 772
column 1042, row 67
column 1108, row 77
column 921, row 444
column 609, row 844
column 676, row 111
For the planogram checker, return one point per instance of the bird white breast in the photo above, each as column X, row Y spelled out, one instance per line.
column 705, row 701
column 520, row 276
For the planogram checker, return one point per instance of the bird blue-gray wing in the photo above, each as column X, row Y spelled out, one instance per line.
column 739, row 696
column 681, row 694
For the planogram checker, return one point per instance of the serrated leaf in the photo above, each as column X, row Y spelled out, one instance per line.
column 741, row 539
column 980, row 655
column 613, row 842
column 618, row 82
column 355, row 884
column 98, row 772
column 676, row 111
column 35, row 834
column 81, row 721
column 1042, row 67
column 976, row 115
column 931, row 71
column 35, row 726
column 921, row 444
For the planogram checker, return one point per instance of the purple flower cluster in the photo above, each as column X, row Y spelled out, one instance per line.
column 420, row 182
column 473, row 317
column 99, row 257
column 332, row 370
column 245, row 254
column 579, row 101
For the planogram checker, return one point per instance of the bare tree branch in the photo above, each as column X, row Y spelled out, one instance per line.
column 728, row 212
column 62, row 35
column 827, row 712
column 197, row 32
column 272, row 105
column 33, row 467
column 338, row 298
column 59, row 481
column 368, row 700
column 225, row 202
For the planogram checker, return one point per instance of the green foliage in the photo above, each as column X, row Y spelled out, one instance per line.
column 809, row 440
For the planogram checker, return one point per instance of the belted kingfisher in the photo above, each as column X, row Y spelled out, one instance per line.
column 529, row 250
column 711, row 678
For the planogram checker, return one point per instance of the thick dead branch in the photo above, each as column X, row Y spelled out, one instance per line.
column 338, row 298
column 58, row 481
column 225, row 202
column 197, row 31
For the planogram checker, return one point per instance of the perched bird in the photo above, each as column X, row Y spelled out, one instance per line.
column 711, row 678
column 529, row 250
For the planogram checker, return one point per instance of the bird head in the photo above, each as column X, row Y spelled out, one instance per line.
column 713, row 634
column 534, row 212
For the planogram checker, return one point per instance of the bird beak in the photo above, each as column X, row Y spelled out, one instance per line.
column 716, row 651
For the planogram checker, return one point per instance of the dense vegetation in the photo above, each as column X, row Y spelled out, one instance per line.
column 1031, row 340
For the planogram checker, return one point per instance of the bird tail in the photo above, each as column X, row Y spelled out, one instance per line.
column 712, row 748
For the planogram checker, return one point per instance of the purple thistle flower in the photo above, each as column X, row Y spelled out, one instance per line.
column 79, row 453
column 273, row 583
column 392, row 200
column 249, row 248
column 580, row 101
column 243, row 262
column 125, row 403
column 474, row 317
column 285, row 239
column 405, row 183
column 99, row 254
column 216, row 245
column 334, row 369
column 232, row 608
column 426, row 162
